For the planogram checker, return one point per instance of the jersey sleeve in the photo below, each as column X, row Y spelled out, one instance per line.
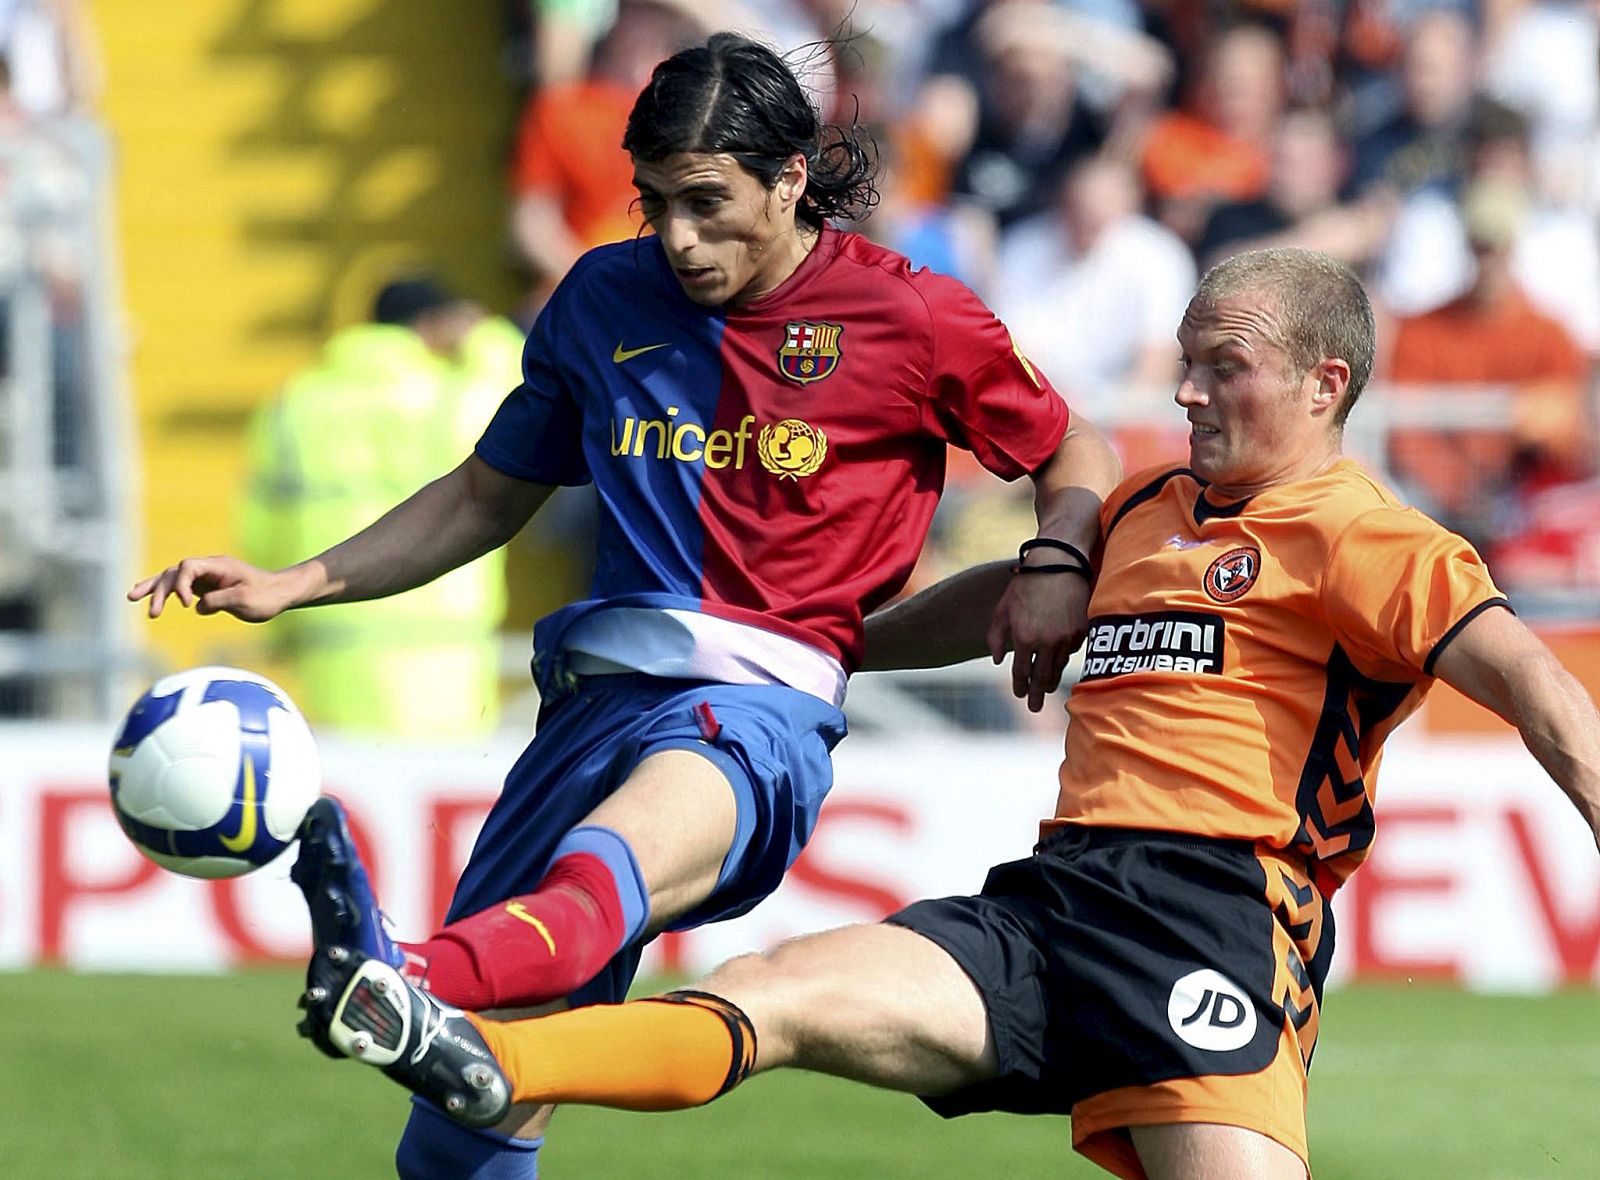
column 537, row 433
column 985, row 396
column 1397, row 587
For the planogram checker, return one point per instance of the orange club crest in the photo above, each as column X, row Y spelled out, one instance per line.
column 1228, row 577
column 810, row 351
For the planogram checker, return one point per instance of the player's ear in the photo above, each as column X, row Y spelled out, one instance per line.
column 791, row 184
column 1332, row 377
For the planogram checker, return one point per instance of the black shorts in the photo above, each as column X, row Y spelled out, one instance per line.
column 1137, row 978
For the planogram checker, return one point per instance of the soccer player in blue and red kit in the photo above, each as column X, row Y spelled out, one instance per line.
column 763, row 403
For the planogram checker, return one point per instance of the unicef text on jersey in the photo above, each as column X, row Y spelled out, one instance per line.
column 685, row 441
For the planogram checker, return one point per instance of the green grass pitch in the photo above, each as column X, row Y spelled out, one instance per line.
column 203, row 1078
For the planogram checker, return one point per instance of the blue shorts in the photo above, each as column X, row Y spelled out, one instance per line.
column 772, row 743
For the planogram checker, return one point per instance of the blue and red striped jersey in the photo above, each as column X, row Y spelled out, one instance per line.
column 775, row 464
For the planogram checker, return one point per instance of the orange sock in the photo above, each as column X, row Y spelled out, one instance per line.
column 668, row 1053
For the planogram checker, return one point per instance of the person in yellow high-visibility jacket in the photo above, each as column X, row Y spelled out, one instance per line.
column 389, row 406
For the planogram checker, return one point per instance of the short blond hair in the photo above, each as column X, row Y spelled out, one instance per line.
column 1319, row 301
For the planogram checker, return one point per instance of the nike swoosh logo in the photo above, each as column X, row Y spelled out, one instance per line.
column 620, row 354
column 247, row 823
column 518, row 911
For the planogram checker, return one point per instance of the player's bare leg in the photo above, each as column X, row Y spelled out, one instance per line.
column 676, row 812
column 1210, row 1151
column 878, row 1004
column 677, row 815
column 647, row 855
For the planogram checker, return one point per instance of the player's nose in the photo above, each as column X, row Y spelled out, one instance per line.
column 679, row 236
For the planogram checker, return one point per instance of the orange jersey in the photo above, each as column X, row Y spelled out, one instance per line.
column 1246, row 660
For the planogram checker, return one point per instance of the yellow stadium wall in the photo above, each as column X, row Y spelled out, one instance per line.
column 273, row 163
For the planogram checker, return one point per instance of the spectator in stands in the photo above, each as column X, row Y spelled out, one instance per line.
column 390, row 405
column 1492, row 335
column 1216, row 148
column 1424, row 143
column 956, row 238
column 1556, row 255
column 1539, row 57
column 1091, row 289
column 572, row 184
column 1031, row 121
column 559, row 36
column 1304, row 202
column 1306, row 174
column 961, row 113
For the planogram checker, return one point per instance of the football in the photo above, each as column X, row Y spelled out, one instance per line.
column 213, row 771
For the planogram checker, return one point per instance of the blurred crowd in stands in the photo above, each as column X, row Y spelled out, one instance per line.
column 1077, row 162
column 51, row 149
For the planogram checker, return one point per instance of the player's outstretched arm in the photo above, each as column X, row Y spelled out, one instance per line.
column 1505, row 667
column 212, row 584
column 944, row 624
column 1042, row 618
column 451, row 521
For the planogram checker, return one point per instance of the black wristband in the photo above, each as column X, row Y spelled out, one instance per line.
column 1059, row 567
column 1052, row 543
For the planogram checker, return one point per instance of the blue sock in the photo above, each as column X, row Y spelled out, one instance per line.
column 609, row 847
column 435, row 1147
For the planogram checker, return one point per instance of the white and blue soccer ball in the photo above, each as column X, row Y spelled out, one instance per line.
column 213, row 771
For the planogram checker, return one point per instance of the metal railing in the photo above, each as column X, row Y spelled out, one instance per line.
column 68, row 510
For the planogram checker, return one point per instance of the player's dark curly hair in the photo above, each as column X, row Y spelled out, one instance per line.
column 735, row 96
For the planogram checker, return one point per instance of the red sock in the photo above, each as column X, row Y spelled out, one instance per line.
column 530, row 949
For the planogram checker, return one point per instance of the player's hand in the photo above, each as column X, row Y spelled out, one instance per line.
column 216, row 584
column 1041, row 619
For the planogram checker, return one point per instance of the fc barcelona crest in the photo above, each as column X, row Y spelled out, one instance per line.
column 810, row 351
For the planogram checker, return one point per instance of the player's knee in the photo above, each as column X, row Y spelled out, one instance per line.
column 787, row 993
column 750, row 981
column 770, row 998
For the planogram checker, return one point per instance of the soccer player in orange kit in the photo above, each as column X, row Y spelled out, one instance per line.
column 1261, row 620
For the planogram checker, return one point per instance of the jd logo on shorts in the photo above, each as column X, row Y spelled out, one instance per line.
column 1209, row 1011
